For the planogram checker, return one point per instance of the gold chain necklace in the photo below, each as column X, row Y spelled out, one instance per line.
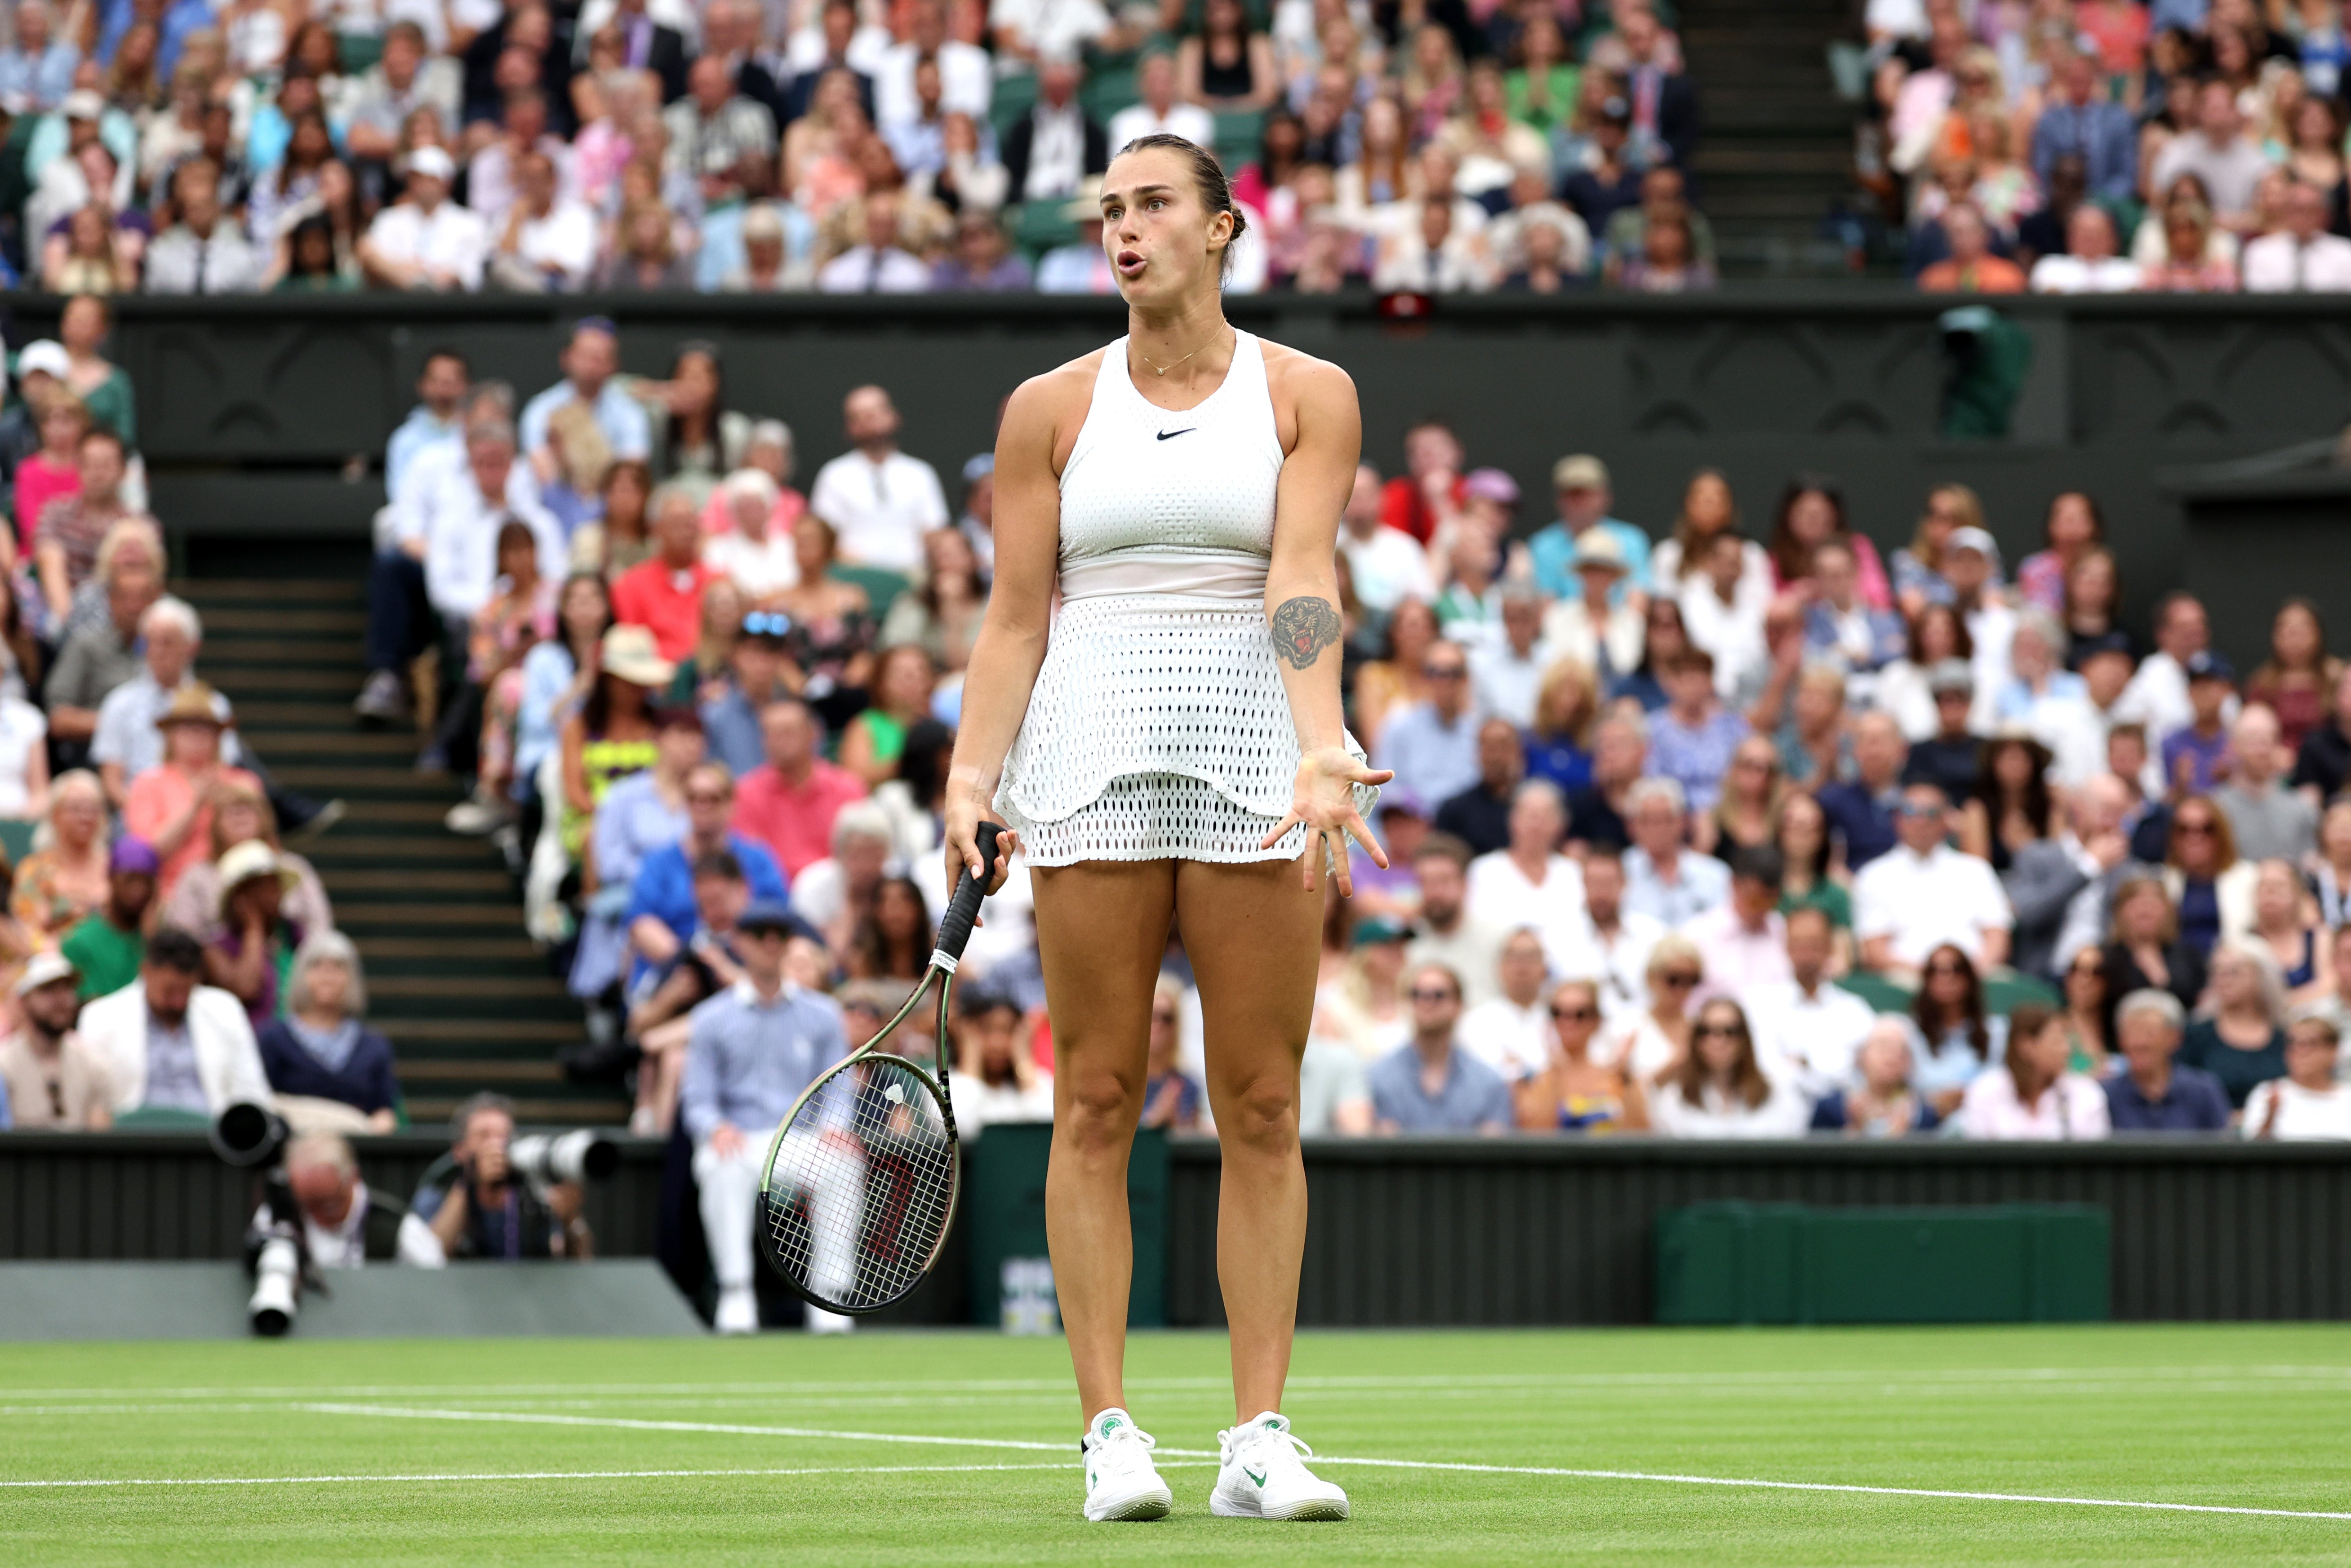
column 1163, row 370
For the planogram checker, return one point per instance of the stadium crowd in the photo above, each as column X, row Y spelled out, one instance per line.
column 186, row 147
column 2103, row 146
column 1698, row 828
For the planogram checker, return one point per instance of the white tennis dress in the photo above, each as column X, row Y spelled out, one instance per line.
column 1158, row 729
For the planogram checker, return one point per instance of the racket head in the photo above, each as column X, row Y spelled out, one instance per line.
column 860, row 1183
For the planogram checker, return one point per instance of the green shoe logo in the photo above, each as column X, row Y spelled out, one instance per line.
column 1256, row 1477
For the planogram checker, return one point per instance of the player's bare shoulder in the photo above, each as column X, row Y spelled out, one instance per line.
column 1294, row 375
column 1311, row 398
column 1048, row 409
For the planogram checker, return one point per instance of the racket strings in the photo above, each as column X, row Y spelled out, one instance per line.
column 863, row 1186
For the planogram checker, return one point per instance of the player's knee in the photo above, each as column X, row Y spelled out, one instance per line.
column 1098, row 1110
column 1261, row 1111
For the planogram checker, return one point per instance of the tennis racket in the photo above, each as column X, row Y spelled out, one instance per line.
column 859, row 1186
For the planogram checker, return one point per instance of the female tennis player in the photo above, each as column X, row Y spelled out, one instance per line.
column 1170, row 747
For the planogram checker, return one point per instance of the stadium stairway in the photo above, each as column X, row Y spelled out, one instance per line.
column 1775, row 143
column 467, row 1001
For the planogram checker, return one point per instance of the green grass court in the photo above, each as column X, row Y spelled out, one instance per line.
column 785, row 1449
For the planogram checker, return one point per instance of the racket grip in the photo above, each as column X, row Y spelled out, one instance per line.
column 955, row 930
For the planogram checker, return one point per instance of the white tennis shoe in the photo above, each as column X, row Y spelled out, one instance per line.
column 1260, row 1475
column 1121, row 1480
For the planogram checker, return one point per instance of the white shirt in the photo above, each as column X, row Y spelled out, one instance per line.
column 2072, row 1107
column 22, row 728
column 452, row 239
column 1052, row 26
column 882, row 509
column 1732, row 632
column 1924, row 901
column 1624, row 973
column 1188, row 121
column 1511, row 1039
column 461, row 543
column 1507, row 685
column 564, row 240
column 1991, row 627
column 2158, row 698
column 2275, row 264
column 1784, row 1114
column 862, row 269
column 2299, row 1112
column 979, row 1104
column 345, row 1245
column 1569, row 633
column 1500, row 896
column 1388, row 568
column 758, row 570
column 2074, row 275
column 1813, row 1039
column 966, row 83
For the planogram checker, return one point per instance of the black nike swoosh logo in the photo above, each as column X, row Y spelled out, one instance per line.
column 1172, row 435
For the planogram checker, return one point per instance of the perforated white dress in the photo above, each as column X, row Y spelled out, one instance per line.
column 1158, row 729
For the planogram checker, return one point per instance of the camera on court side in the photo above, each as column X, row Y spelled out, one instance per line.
column 254, row 1137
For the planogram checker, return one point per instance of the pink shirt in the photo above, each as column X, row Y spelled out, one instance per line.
column 156, row 799
column 795, row 822
column 39, row 481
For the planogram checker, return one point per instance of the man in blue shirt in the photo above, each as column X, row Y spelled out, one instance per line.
column 36, row 74
column 1432, row 1085
column 1580, row 484
column 1432, row 745
column 1665, row 879
column 590, row 362
column 2080, row 120
column 1861, row 810
column 440, row 390
column 2153, row 1094
column 660, row 918
column 751, row 1051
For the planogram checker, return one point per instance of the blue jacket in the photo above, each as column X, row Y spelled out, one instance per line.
column 664, row 883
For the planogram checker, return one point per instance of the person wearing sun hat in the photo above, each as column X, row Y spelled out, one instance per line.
column 251, row 957
column 172, row 806
column 612, row 735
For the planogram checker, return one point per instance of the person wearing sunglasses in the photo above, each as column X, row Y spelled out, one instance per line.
column 1574, row 1092
column 753, row 677
column 1925, row 894
column 2310, row 1100
column 1431, row 746
column 1719, row 1090
column 1649, row 1042
column 1431, row 1084
column 2212, row 889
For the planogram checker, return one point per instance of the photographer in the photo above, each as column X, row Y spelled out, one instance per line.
column 478, row 1209
column 345, row 1224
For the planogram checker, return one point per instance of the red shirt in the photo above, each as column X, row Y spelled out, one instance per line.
column 1402, row 506
column 667, row 602
column 795, row 822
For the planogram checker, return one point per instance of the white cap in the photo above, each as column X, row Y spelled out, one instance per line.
column 84, row 103
column 433, row 163
column 45, row 354
column 47, row 967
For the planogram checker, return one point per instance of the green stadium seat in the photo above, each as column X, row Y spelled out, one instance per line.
column 1038, row 226
column 1107, row 90
column 880, row 587
column 16, row 840
column 358, row 52
column 1015, row 97
column 1237, row 133
column 161, row 1119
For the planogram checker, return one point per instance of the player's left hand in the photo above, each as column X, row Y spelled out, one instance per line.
column 1323, row 798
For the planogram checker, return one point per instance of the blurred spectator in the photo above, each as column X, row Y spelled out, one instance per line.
column 2079, row 119
column 2309, row 1102
column 2089, row 264
column 66, row 541
column 2296, row 681
column 1743, row 941
column 171, row 804
column 2218, row 153
column 836, row 893
column 1433, row 254
column 171, row 1045
column 545, row 242
column 255, row 943
column 1507, row 1033
column 1446, row 931
column 106, row 947
column 325, row 1064
column 2302, row 257
column 879, row 262
column 1432, row 745
column 2184, row 262
column 660, row 913
column 1923, row 894
column 1807, row 1024
column 53, row 471
column 1971, row 268
column 1596, row 625
column 1480, row 815
column 57, row 885
column 590, row 361
column 1649, row 1040
column 1048, row 152
column 54, row 1080
column 2241, row 1041
column 2266, row 820
column 997, row 1080
column 1432, row 1084
column 1581, row 491
column 1570, row 1092
column 900, row 697
column 1692, row 739
column 1884, row 1105
column 37, row 70
column 791, row 802
column 1957, row 1038
column 2040, row 1096
column 126, row 742
column 1663, row 878
column 2153, row 1094
column 664, row 593
column 881, row 500
column 1718, row 1090
column 345, row 1224
column 204, row 252
column 1363, row 1005
column 1157, row 110
column 425, row 240
column 2210, row 886
column 983, row 260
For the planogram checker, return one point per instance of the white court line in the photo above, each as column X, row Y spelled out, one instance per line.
column 523, row 1476
column 540, row 1418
